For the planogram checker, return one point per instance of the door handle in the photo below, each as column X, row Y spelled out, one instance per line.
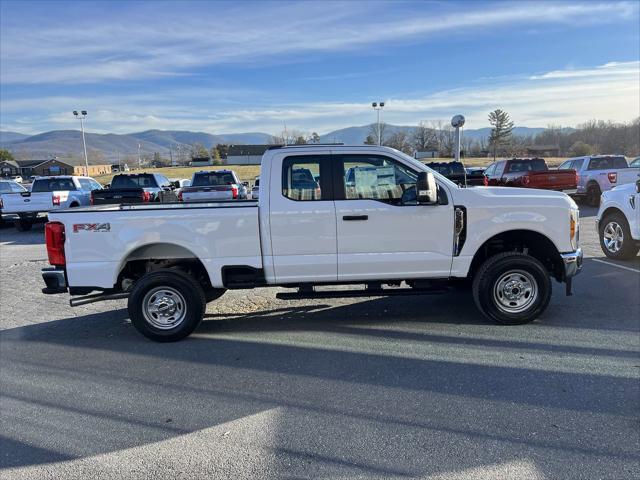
column 351, row 218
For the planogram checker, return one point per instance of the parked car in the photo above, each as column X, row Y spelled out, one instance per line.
column 215, row 185
column 8, row 186
column 618, row 221
column 456, row 172
column 133, row 188
column 255, row 190
column 426, row 233
column 600, row 173
column 178, row 185
column 48, row 194
column 529, row 173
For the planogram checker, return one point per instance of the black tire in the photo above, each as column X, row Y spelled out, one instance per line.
column 213, row 294
column 74, row 205
column 180, row 291
column 521, row 270
column 23, row 225
column 629, row 248
column 593, row 195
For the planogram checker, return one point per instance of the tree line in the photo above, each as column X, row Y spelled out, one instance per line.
column 592, row 137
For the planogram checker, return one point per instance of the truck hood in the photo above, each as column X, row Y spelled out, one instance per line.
column 482, row 196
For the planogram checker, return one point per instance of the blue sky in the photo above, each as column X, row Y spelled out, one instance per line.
column 225, row 67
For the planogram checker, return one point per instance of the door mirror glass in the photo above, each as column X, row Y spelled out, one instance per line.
column 426, row 190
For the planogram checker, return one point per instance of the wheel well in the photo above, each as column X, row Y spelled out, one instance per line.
column 593, row 183
column 74, row 204
column 157, row 256
column 526, row 241
column 611, row 210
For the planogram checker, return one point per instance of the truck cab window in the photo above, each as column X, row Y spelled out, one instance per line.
column 374, row 177
column 301, row 178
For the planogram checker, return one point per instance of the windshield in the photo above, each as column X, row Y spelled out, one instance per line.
column 133, row 181
column 213, row 179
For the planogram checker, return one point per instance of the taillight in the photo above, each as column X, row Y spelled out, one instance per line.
column 577, row 178
column 54, row 238
column 234, row 191
column 91, row 198
column 55, row 199
column 146, row 196
column 485, row 181
column 525, row 179
column 612, row 176
column 1, row 203
column 180, row 196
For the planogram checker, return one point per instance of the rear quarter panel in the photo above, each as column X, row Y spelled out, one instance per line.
column 217, row 236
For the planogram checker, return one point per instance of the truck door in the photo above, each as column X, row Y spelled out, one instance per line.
column 382, row 232
column 303, row 220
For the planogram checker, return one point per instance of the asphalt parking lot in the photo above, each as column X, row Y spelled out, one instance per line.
column 357, row 388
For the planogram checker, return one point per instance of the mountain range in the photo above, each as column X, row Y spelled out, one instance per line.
column 68, row 143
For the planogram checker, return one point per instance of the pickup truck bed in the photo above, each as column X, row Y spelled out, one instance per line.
column 530, row 173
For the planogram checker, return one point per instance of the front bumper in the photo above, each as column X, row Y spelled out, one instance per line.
column 572, row 263
column 55, row 280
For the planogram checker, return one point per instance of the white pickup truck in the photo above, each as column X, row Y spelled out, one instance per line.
column 395, row 227
column 48, row 194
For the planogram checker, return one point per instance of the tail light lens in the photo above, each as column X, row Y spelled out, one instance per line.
column 613, row 177
column 146, row 196
column 234, row 191
column 526, row 179
column 180, row 196
column 91, row 198
column 485, row 181
column 55, row 199
column 1, row 203
column 577, row 178
column 54, row 237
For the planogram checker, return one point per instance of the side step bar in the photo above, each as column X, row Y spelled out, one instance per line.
column 384, row 292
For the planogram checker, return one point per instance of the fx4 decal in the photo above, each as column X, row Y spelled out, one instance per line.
column 91, row 227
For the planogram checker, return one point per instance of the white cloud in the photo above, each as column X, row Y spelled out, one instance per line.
column 554, row 97
column 158, row 42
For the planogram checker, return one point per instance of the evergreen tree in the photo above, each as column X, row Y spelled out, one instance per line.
column 501, row 132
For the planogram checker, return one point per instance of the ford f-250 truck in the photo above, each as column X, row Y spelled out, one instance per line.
column 396, row 227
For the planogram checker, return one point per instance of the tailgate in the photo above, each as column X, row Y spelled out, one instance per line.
column 27, row 202
column 202, row 194
column 117, row 196
column 553, row 179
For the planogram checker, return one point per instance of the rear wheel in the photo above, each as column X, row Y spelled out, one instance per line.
column 593, row 195
column 615, row 237
column 512, row 288
column 166, row 305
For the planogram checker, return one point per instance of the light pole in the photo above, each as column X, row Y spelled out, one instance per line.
column 82, row 115
column 377, row 107
column 457, row 122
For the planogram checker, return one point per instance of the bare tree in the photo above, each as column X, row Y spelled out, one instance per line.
column 373, row 132
column 425, row 138
column 400, row 141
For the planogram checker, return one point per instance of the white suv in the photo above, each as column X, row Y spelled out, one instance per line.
column 618, row 221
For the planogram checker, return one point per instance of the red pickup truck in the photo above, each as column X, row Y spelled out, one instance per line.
column 530, row 173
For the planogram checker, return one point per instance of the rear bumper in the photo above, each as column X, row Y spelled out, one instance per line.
column 55, row 280
column 572, row 263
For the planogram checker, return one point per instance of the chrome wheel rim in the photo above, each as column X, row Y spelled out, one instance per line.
column 515, row 291
column 613, row 237
column 164, row 308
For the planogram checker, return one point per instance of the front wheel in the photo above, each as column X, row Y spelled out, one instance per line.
column 512, row 288
column 615, row 238
column 166, row 305
column 593, row 195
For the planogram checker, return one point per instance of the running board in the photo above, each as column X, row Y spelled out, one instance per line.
column 385, row 292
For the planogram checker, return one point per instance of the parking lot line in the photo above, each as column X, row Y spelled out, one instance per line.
column 616, row 265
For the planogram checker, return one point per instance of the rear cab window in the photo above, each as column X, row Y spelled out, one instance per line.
column 134, row 181
column 528, row 165
column 212, row 179
column 604, row 163
column 53, row 185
